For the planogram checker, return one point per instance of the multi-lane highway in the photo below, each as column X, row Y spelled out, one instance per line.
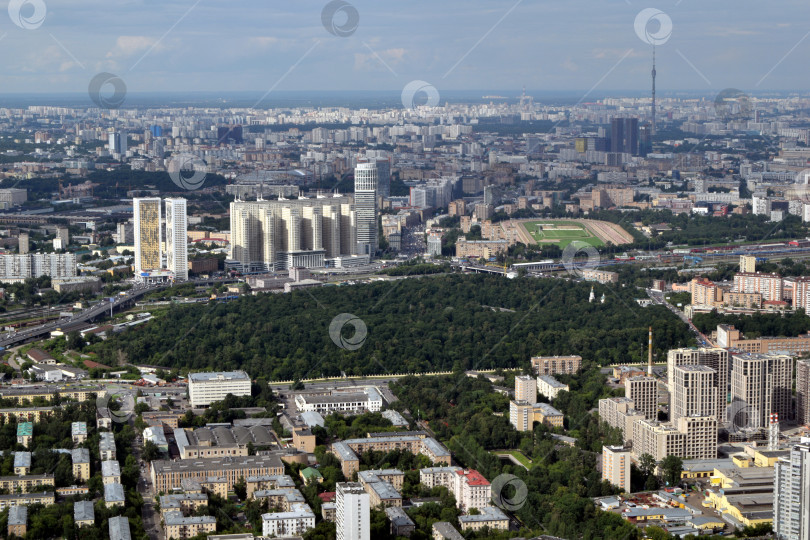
column 78, row 320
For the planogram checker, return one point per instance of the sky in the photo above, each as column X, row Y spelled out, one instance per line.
column 586, row 46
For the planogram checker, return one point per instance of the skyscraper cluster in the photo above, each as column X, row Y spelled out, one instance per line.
column 151, row 246
column 287, row 233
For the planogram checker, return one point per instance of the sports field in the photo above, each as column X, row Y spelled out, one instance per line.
column 560, row 233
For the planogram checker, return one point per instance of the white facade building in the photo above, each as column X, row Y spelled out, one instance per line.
column 791, row 508
column 297, row 520
column 616, row 462
column 206, row 388
column 177, row 238
column 352, row 512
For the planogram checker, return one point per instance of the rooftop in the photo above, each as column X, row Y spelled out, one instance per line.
column 110, row 468
column 83, row 511
column 218, row 376
column 114, row 492
column 17, row 515
column 488, row 513
column 119, row 528
column 177, row 518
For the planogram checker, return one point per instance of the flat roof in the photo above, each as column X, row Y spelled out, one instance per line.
column 212, row 464
column 218, row 375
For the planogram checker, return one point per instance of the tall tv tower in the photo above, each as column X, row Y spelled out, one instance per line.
column 652, row 131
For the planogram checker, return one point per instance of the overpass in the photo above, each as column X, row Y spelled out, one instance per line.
column 98, row 310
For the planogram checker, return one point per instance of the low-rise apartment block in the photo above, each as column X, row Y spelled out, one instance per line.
column 168, row 475
column 347, row 451
column 556, row 365
column 489, row 516
column 81, row 464
column 24, row 499
column 550, row 387
column 176, row 525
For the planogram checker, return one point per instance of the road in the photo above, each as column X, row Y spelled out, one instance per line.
column 78, row 320
column 150, row 516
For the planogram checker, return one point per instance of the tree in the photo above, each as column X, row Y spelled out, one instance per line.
column 151, row 452
column 646, row 464
column 240, row 488
column 672, row 467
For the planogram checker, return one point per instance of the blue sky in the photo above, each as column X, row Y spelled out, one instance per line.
column 235, row 45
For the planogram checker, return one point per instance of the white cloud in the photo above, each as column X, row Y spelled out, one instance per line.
column 129, row 45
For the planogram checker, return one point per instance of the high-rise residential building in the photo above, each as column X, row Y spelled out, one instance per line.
column 146, row 218
column 644, row 393
column 791, row 508
column 384, row 177
column 700, row 436
column 715, row 358
column 55, row 265
column 748, row 264
column 694, row 392
column 118, row 142
column 616, row 462
column 23, row 243
column 761, row 384
column 624, row 135
column 768, row 285
column 352, row 514
column 177, row 238
column 526, row 389
column 303, row 232
column 803, row 392
column 365, row 205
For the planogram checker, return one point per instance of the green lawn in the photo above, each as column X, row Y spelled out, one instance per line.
column 561, row 237
column 518, row 455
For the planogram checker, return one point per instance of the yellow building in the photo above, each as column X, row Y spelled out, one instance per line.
column 29, row 414
column 147, row 233
column 81, row 464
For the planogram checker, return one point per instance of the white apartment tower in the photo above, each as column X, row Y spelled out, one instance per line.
column 762, row 384
column 695, row 392
column 526, row 389
column 715, row 358
column 644, row 393
column 791, row 508
column 177, row 238
column 365, row 204
column 146, row 219
column 118, row 143
column 352, row 513
column 282, row 234
column 616, row 462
